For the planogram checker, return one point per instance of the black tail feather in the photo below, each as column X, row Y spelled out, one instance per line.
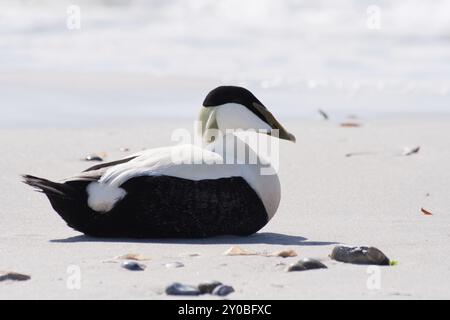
column 68, row 199
column 48, row 187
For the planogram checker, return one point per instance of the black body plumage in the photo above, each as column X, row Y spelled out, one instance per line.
column 161, row 207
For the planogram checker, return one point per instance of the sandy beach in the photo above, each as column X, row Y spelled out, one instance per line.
column 373, row 197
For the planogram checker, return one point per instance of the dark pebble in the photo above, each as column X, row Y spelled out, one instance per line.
column 208, row 287
column 14, row 276
column 133, row 266
column 222, row 291
column 178, row 289
column 359, row 255
column 93, row 157
column 306, row 264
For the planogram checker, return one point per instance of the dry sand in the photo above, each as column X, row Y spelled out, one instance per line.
column 327, row 198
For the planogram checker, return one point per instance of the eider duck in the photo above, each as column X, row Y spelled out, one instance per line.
column 162, row 192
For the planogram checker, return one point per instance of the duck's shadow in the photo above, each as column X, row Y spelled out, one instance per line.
column 258, row 238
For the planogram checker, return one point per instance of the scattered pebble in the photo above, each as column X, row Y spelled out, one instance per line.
column 178, row 289
column 223, row 291
column 190, row 255
column 306, row 264
column 352, row 154
column 174, row 265
column 237, row 251
column 409, row 151
column 350, row 125
column 93, row 157
column 133, row 256
column 323, row 114
column 208, row 287
column 14, row 276
column 285, row 254
column 133, row 266
column 359, row 255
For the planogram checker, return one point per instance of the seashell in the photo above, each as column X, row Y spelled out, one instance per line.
column 237, row 251
column 323, row 114
column 350, row 124
column 359, row 255
column 133, row 256
column 13, row 276
column 93, row 157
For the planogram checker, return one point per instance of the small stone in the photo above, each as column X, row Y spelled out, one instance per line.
column 410, row 151
column 306, row 264
column 133, row 266
column 178, row 289
column 124, row 149
column 14, row 276
column 223, row 291
column 174, row 265
column 285, row 254
column 190, row 254
column 359, row 255
column 208, row 287
column 93, row 157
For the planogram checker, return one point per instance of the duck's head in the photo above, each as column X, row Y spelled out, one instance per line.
column 232, row 107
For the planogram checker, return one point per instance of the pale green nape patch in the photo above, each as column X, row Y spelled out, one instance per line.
column 209, row 124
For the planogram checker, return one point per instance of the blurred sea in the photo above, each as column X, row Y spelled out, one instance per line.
column 133, row 59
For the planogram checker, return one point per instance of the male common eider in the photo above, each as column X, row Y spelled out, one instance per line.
column 162, row 193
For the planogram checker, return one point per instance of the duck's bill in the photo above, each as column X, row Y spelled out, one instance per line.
column 277, row 129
